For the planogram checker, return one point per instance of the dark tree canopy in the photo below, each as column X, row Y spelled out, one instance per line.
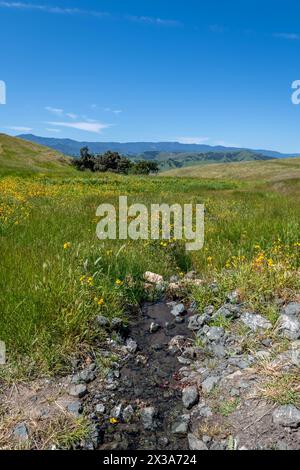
column 114, row 162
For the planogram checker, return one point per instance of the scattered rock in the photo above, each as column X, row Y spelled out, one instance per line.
column 179, row 309
column 87, row 375
column 209, row 384
column 190, row 396
column 215, row 333
column 181, row 424
column 131, row 346
column 102, row 321
column 116, row 411
column 78, row 391
column 153, row 278
column 255, row 321
column 292, row 309
column 289, row 326
column 100, row 408
column 233, row 297
column 147, row 416
column 202, row 411
column 75, row 408
column 163, row 441
column 195, row 443
column 21, row 432
column 117, row 323
column 128, row 413
column 197, row 321
column 154, row 327
column 287, row 415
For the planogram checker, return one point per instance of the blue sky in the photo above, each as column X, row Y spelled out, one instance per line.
column 214, row 71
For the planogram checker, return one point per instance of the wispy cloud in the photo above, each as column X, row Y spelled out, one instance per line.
column 72, row 115
column 19, row 128
column 93, row 13
column 95, row 127
column 53, row 9
column 288, row 36
column 56, row 111
column 192, row 140
column 48, row 129
column 154, row 21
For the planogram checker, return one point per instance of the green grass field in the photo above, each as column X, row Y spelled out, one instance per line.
column 56, row 276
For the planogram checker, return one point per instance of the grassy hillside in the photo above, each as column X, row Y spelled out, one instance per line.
column 21, row 157
column 273, row 170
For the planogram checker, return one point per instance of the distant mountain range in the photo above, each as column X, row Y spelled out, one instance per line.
column 145, row 149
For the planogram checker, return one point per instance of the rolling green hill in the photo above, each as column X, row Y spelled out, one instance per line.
column 19, row 156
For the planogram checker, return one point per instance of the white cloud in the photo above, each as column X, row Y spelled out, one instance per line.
column 192, row 140
column 56, row 111
column 72, row 115
column 19, row 128
column 288, row 36
column 95, row 127
column 154, row 21
column 117, row 111
column 52, row 130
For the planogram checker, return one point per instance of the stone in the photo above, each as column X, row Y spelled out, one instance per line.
column 102, row 321
column 153, row 278
column 215, row 333
column 163, row 441
column 176, row 344
column 292, row 309
column 131, row 346
column 78, row 391
column 217, row 350
column 21, row 432
column 190, row 396
column 128, row 413
column 154, row 327
column 289, row 326
column 116, row 323
column 209, row 384
column 179, row 309
column 116, row 411
column 202, row 411
column 255, row 321
column 174, row 279
column 75, row 408
column 87, row 375
column 197, row 321
column 181, row 424
column 195, row 443
column 179, row 320
column 100, row 408
column 233, row 297
column 209, row 310
column 287, row 416
column 147, row 416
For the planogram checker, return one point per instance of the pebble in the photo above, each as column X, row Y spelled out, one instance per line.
column 195, row 443
column 79, row 390
column 147, row 417
column 287, row 416
column 190, row 396
column 21, row 432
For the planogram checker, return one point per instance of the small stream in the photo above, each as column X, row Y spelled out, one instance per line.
column 150, row 378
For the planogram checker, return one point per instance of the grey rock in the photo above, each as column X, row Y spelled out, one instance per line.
column 78, row 391
column 217, row 350
column 287, row 415
column 21, row 432
column 215, row 333
column 289, row 326
column 87, row 375
column 209, row 384
column 179, row 320
column 102, row 321
column 148, row 418
column 190, row 275
column 255, row 321
column 202, row 411
column 154, row 327
column 239, row 362
column 181, row 424
column 195, row 443
column 163, row 441
column 190, row 396
column 75, row 408
column 131, row 345
column 209, row 310
column 100, row 408
column 179, row 309
column 116, row 411
column 197, row 321
column 292, row 309
column 174, row 279
column 128, row 413
column 233, row 297
column 117, row 323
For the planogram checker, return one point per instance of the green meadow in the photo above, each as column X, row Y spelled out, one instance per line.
column 56, row 276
